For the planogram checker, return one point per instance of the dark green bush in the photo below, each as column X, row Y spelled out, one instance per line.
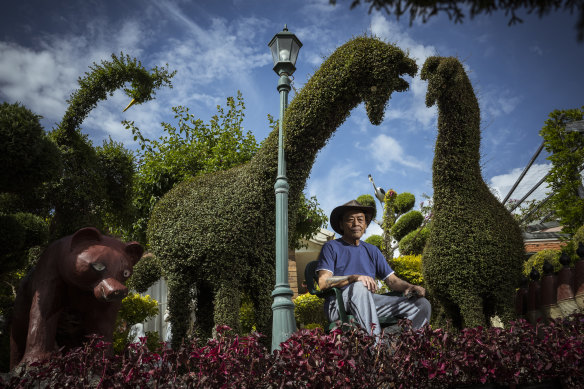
column 414, row 242
column 473, row 259
column 407, row 223
column 376, row 240
column 404, row 202
column 146, row 272
column 369, row 201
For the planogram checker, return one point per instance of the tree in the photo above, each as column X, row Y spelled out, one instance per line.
column 567, row 157
column 29, row 160
column 187, row 150
column 426, row 9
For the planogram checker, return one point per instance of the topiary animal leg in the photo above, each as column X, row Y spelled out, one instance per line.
column 178, row 298
column 226, row 305
column 471, row 310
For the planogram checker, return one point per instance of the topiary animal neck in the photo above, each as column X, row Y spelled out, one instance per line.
column 362, row 70
column 457, row 153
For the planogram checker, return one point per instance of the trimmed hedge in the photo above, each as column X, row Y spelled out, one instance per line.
column 474, row 255
column 214, row 234
column 407, row 223
column 414, row 242
column 537, row 260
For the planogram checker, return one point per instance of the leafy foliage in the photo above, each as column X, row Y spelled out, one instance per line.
column 368, row 201
column 145, row 273
column 435, row 358
column 186, row 150
column 456, row 9
column 88, row 192
column 309, row 309
column 474, row 255
column 27, row 156
column 409, row 268
column 406, row 224
column 310, row 218
column 213, row 234
column 376, row 240
column 567, row 157
column 414, row 242
column 135, row 309
column 537, row 260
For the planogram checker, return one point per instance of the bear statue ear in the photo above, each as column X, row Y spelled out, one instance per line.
column 85, row 235
column 135, row 251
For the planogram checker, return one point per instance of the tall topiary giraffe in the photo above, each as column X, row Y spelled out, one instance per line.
column 472, row 261
column 214, row 234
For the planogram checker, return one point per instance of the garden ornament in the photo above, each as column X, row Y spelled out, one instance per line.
column 75, row 290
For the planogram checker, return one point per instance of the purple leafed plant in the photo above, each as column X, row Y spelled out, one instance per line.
column 435, row 358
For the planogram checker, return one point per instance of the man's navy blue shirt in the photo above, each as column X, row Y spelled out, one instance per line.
column 344, row 259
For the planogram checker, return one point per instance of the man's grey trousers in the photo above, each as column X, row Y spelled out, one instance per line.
column 367, row 307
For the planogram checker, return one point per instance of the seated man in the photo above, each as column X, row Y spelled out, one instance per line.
column 352, row 265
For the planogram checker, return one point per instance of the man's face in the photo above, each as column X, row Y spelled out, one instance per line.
column 353, row 224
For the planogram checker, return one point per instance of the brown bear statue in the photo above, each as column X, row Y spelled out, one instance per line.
column 75, row 290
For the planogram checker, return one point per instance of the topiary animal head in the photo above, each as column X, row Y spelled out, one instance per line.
column 381, row 81
column 443, row 74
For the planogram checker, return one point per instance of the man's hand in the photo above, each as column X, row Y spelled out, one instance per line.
column 415, row 290
column 369, row 282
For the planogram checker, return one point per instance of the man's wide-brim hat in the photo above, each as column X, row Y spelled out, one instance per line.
column 353, row 205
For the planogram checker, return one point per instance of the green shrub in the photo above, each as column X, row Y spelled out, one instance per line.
column 309, row 309
column 404, row 202
column 409, row 268
column 146, row 272
column 246, row 315
column 407, row 223
column 537, row 260
column 368, row 201
column 578, row 237
column 413, row 243
column 376, row 240
column 135, row 309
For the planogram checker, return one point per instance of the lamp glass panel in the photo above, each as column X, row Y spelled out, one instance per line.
column 274, row 50
column 295, row 48
column 284, row 48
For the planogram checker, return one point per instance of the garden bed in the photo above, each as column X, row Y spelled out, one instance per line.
column 431, row 358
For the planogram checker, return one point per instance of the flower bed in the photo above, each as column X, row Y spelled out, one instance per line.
column 433, row 358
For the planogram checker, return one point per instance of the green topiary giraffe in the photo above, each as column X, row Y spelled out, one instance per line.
column 214, row 234
column 473, row 259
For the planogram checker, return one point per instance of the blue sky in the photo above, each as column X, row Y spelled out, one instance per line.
column 520, row 74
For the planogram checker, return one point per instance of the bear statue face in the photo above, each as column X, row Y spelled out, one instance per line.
column 101, row 264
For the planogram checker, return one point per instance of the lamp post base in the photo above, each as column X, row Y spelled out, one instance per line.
column 284, row 323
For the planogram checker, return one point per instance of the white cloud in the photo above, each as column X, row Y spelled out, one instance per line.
column 386, row 152
column 502, row 184
column 497, row 102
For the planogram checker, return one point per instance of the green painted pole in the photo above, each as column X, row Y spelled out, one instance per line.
column 284, row 323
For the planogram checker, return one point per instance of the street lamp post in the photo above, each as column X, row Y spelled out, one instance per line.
column 284, row 47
